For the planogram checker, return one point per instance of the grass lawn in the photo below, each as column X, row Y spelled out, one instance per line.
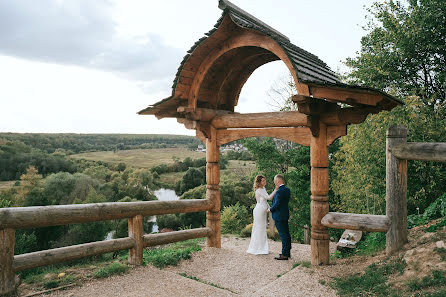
column 141, row 158
column 4, row 185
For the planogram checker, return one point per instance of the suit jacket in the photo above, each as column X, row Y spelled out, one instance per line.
column 279, row 208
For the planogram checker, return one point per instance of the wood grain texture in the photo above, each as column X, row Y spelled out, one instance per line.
column 53, row 256
column 362, row 222
column 420, row 151
column 175, row 236
column 136, row 232
column 300, row 135
column 7, row 275
column 396, row 191
column 261, row 120
column 42, row 216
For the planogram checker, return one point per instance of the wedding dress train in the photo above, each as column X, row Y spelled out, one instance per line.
column 259, row 240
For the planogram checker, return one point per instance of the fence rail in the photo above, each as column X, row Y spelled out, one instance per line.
column 423, row 151
column 42, row 216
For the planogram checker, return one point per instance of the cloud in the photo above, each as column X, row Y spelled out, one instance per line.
column 82, row 33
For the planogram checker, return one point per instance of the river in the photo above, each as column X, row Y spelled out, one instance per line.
column 163, row 195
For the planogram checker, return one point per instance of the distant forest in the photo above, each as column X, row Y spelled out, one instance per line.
column 78, row 143
column 47, row 152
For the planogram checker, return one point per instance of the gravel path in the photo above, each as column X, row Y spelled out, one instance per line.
column 230, row 269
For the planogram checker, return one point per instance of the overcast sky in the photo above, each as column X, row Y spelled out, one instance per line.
column 83, row 66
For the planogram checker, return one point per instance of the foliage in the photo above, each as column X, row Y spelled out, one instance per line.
column 434, row 211
column 193, row 177
column 76, row 143
column 404, row 50
column 171, row 255
column 112, row 269
column 25, row 242
column 372, row 283
column 404, row 54
column 16, row 157
column 179, row 166
column 359, row 172
column 168, row 221
column 238, row 155
column 234, row 218
column 247, row 230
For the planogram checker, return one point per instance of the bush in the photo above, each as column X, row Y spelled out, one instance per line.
column 436, row 210
column 169, row 221
column 234, row 218
column 246, row 232
column 171, row 255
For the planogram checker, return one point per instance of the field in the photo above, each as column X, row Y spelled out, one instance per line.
column 6, row 184
column 147, row 158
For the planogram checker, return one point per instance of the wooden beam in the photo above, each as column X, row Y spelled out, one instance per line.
column 342, row 95
column 169, row 237
column 313, row 106
column 362, row 222
column 434, row 151
column 42, row 216
column 396, row 190
column 334, row 132
column 201, row 114
column 345, row 116
column 53, row 256
column 300, row 135
column 261, row 120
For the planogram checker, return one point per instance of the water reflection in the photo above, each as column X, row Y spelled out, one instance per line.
column 162, row 195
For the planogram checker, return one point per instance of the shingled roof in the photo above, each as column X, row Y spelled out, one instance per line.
column 308, row 68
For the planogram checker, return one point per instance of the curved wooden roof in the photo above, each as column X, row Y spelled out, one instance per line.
column 217, row 66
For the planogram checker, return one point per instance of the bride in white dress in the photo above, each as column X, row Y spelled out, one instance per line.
column 259, row 240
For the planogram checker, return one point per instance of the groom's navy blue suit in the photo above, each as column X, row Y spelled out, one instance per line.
column 281, row 214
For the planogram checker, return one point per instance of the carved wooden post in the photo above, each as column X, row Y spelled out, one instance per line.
column 319, row 196
column 7, row 275
column 136, row 232
column 213, row 189
column 396, row 191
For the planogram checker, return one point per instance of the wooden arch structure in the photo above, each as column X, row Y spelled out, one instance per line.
column 207, row 87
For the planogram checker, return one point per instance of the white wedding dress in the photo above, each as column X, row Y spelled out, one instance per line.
column 259, row 240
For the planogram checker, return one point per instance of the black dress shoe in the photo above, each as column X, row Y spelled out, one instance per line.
column 281, row 257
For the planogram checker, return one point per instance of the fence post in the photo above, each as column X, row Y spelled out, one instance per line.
column 396, row 191
column 136, row 232
column 213, row 189
column 306, row 234
column 7, row 275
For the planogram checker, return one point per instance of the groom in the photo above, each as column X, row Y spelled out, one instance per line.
column 281, row 214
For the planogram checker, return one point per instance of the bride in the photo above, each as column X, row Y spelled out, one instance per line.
column 259, row 240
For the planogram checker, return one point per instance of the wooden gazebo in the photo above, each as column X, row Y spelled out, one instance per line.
column 207, row 87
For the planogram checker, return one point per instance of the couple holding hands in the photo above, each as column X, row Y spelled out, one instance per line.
column 280, row 213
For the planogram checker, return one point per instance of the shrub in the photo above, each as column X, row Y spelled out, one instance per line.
column 246, row 232
column 436, row 210
column 171, row 255
column 234, row 218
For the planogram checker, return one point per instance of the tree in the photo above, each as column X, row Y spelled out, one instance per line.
column 404, row 50
column 403, row 53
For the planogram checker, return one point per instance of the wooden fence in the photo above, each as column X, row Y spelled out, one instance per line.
column 42, row 216
column 394, row 223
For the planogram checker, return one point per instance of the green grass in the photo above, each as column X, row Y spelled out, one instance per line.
column 173, row 254
column 441, row 252
column 306, row 264
column 437, row 279
column 207, row 283
column 372, row 283
column 112, row 269
column 171, row 178
column 141, row 158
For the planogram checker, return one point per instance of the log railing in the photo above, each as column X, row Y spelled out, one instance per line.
column 394, row 223
column 41, row 216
